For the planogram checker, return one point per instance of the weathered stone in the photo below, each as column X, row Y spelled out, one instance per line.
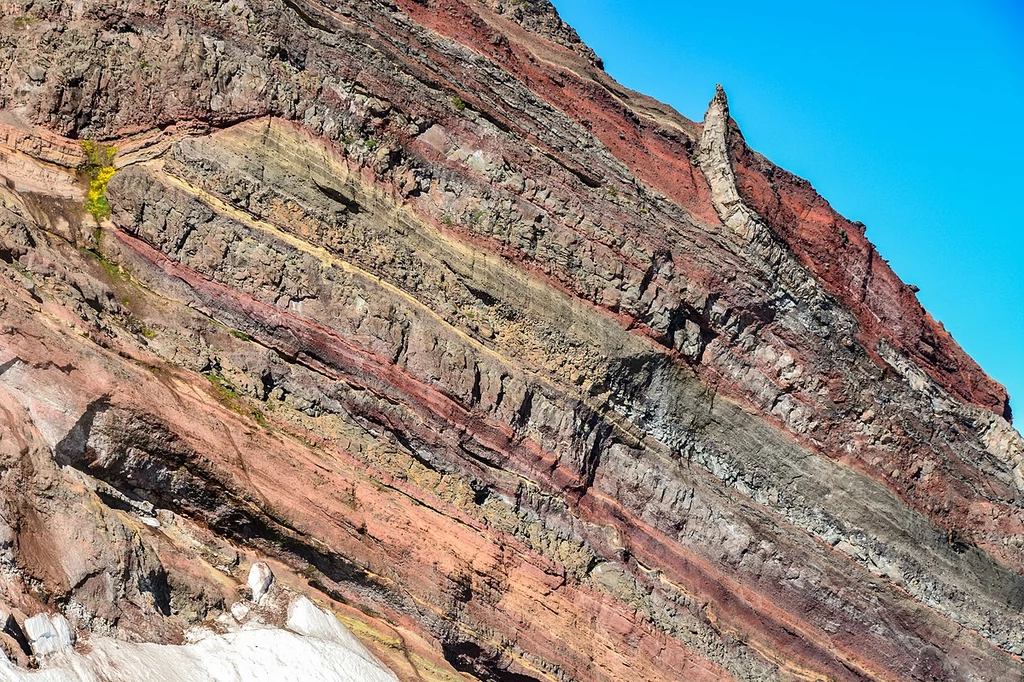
column 49, row 633
column 260, row 579
column 531, row 376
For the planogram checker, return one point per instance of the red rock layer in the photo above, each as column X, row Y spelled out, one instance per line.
column 840, row 256
column 571, row 84
column 829, row 245
column 414, row 301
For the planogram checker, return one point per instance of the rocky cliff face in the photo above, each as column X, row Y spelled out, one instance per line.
column 522, row 374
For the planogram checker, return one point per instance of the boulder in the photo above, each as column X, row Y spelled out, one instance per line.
column 49, row 633
column 260, row 580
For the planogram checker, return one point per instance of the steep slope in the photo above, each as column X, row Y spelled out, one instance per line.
column 523, row 373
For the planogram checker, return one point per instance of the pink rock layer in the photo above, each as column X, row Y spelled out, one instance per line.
column 523, row 373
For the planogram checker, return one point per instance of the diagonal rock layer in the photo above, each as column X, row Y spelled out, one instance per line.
column 521, row 373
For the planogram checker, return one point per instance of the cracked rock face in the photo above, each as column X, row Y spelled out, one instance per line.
column 408, row 308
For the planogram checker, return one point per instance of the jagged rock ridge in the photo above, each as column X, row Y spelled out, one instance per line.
column 522, row 373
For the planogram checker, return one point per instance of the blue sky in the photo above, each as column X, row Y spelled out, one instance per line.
column 907, row 116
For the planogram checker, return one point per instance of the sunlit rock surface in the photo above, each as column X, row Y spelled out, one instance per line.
column 519, row 373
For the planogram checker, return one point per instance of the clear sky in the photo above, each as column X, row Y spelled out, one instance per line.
column 907, row 116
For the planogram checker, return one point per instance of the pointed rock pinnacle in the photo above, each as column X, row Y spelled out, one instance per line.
column 720, row 101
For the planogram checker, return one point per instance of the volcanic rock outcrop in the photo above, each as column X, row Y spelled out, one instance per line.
column 521, row 374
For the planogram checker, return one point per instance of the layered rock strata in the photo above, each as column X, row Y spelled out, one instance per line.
column 522, row 373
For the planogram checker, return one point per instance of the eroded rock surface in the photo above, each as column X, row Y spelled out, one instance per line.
column 411, row 307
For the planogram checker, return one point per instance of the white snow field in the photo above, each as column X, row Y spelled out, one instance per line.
column 313, row 647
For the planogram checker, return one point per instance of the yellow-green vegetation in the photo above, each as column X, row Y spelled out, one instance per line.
column 99, row 167
column 240, row 335
column 114, row 271
column 231, row 399
column 458, row 103
column 225, row 392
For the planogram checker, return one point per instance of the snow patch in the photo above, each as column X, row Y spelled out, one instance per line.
column 307, row 619
column 316, row 648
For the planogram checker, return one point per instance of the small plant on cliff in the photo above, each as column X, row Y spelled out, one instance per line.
column 99, row 168
column 233, row 400
column 240, row 335
column 458, row 103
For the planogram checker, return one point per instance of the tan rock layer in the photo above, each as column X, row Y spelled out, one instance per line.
column 515, row 365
